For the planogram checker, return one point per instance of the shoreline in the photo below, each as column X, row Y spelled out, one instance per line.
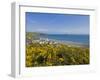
column 69, row 43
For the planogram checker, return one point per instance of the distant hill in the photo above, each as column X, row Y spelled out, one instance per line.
column 32, row 35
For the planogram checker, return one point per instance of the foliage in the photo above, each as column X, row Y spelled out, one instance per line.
column 55, row 54
column 32, row 35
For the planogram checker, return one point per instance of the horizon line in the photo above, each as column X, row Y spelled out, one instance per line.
column 59, row 33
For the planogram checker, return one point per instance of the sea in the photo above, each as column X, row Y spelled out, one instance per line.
column 76, row 38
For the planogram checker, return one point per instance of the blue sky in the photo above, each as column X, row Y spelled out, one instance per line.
column 57, row 23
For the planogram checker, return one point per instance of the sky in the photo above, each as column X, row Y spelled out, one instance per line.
column 52, row 23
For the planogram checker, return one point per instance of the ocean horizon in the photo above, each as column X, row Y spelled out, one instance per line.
column 76, row 38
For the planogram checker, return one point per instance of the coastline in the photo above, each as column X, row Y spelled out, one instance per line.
column 72, row 43
column 69, row 43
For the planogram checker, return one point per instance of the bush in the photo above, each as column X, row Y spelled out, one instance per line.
column 55, row 54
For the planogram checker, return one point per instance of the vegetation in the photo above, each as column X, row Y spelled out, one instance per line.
column 32, row 35
column 55, row 54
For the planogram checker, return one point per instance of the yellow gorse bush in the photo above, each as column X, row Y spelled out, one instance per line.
column 49, row 55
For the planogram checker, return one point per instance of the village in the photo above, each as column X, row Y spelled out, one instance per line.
column 41, row 41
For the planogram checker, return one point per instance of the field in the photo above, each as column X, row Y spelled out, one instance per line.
column 49, row 53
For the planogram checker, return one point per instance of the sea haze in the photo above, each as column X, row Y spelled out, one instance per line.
column 77, row 38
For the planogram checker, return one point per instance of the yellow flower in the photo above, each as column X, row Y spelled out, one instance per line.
column 61, row 59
